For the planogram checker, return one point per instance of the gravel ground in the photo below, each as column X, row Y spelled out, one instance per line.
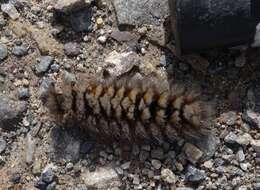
column 101, row 38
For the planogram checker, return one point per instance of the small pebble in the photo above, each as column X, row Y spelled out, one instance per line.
column 168, row 176
column 2, row 145
column 3, row 51
column 47, row 176
column 156, row 164
column 72, row 49
column 20, row 51
column 15, row 178
column 69, row 166
column 44, row 64
column 23, row 93
column 102, row 39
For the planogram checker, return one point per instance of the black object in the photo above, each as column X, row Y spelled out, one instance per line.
column 202, row 24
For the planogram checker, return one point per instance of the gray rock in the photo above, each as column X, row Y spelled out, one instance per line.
column 168, row 176
column 157, row 36
column 30, row 149
column 48, row 176
column 194, row 175
column 20, row 51
column 252, row 118
column 156, row 164
column 101, row 178
column 10, row 10
column 157, row 153
column 72, row 49
column 257, row 186
column 23, row 93
column 256, row 145
column 124, row 36
column 144, row 155
column 193, row 154
column 3, row 51
column 229, row 118
column 184, row 188
column 81, row 20
column 244, row 139
column 44, row 64
column 126, row 165
column 64, row 144
column 240, row 155
column 11, row 111
column 55, row 67
column 231, row 138
column 51, row 186
column 69, row 5
column 132, row 12
column 69, row 166
column 40, row 184
column 15, row 178
column 2, row 145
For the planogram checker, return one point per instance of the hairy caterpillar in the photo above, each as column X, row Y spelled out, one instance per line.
column 129, row 109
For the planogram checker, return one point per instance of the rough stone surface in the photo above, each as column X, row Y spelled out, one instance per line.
column 257, row 37
column 118, row 63
column 3, row 51
column 124, row 36
column 168, row 176
column 132, row 12
column 81, row 20
column 20, row 51
column 192, row 153
column 103, row 177
column 10, row 111
column 69, row 5
column 2, row 145
column 195, row 175
column 10, row 10
column 72, row 49
column 44, row 64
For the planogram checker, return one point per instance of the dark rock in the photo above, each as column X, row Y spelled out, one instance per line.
column 48, row 176
column 23, row 93
column 2, row 145
column 157, row 153
column 15, row 178
column 51, row 186
column 132, row 12
column 3, row 51
column 44, row 64
column 40, row 185
column 194, row 175
column 72, row 49
column 10, row 111
column 69, row 5
column 86, row 147
column 20, row 51
column 2, row 22
column 65, row 144
column 252, row 119
column 124, row 36
column 81, row 20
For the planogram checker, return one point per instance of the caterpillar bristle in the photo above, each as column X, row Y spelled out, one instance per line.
column 129, row 109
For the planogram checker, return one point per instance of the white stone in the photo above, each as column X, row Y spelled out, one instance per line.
column 101, row 178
